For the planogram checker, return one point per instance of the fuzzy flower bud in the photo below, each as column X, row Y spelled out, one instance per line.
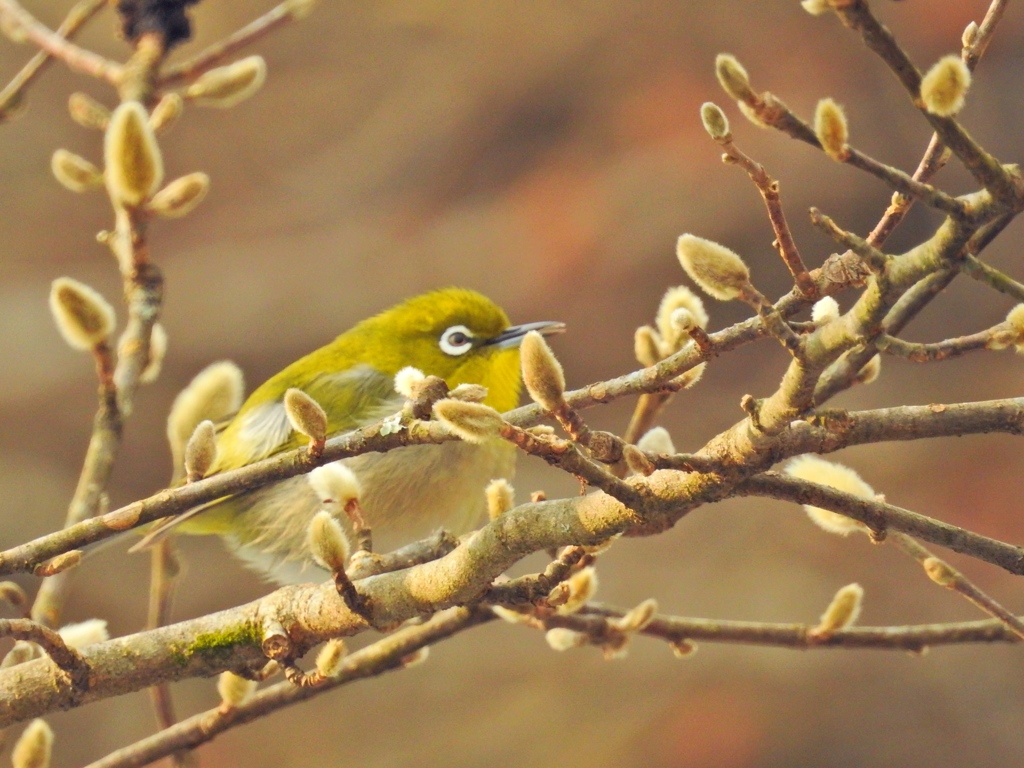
column 871, row 370
column 717, row 270
column 816, row 7
column 328, row 660
column 328, row 542
column 582, row 587
column 84, row 633
column 970, row 34
column 417, row 657
column 34, row 746
column 637, row 461
column 181, row 196
column 657, row 440
column 1015, row 326
column 714, row 119
column 134, row 165
column 733, row 77
column 335, row 483
column 843, row 611
column 647, row 346
column 939, row 571
column 817, row 470
column 157, row 353
column 75, row 172
column 200, row 451
column 166, row 112
column 825, row 310
column 305, row 415
column 500, row 498
column 226, row 86
column 542, row 373
column 561, row 639
column 12, row 594
column 88, row 112
column 945, row 85
column 831, row 129
column 407, row 380
column 679, row 297
column 473, row 422
column 469, row 393
column 637, row 618
column 234, row 690
column 215, row 394
column 84, row 318
column 300, row 9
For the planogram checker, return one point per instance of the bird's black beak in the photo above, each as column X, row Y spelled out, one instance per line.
column 513, row 335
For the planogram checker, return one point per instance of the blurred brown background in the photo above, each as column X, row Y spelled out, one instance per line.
column 547, row 153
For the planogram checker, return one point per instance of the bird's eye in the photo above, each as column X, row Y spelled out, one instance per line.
column 457, row 340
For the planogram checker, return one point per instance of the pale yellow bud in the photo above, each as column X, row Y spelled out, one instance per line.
column 816, row 7
column 13, row 594
column 542, row 373
column 582, row 587
column 637, row 460
column 75, row 172
column 500, row 498
column 561, row 639
column 817, row 470
column 692, row 376
column 84, row 318
column 945, row 85
column 417, row 657
column 871, row 370
column 328, row 542
column 215, row 394
column 305, row 414
column 157, row 353
column 831, row 129
column 226, row 86
column 717, row 270
column 679, row 297
column 21, row 652
column 733, row 77
column 683, row 649
column 328, row 660
column 235, row 690
column 84, row 633
column 34, row 747
column 200, row 451
column 473, row 422
column 939, row 571
column 843, row 611
column 335, row 483
column 825, row 310
column 300, row 9
column 407, row 380
column 134, row 166
column 469, row 393
column 639, row 617
column 647, row 346
column 58, row 564
column 166, row 112
column 181, row 196
column 970, row 34
column 88, row 112
column 1015, row 321
column 752, row 114
column 657, row 440
column 714, row 120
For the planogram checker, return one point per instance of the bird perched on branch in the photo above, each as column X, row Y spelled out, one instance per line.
column 404, row 494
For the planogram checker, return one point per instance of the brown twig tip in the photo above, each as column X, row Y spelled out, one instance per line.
column 831, row 129
column 200, row 451
column 134, row 165
column 84, row 318
column 715, row 122
column 181, row 196
column 307, row 417
column 225, row 87
column 944, row 86
column 720, row 272
column 542, row 373
column 34, row 747
column 167, row 19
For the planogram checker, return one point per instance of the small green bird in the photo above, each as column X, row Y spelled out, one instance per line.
column 455, row 334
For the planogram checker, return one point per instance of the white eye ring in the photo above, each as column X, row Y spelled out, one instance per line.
column 457, row 340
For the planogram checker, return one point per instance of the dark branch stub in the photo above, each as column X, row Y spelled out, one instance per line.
column 165, row 17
